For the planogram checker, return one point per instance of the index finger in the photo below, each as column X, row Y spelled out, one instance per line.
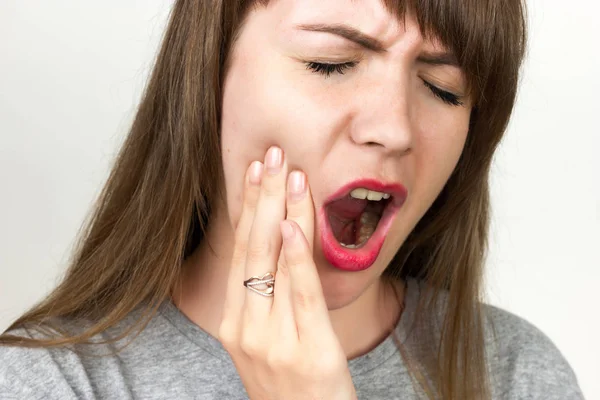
column 234, row 299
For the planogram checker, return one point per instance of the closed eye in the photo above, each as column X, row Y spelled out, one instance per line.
column 446, row 97
column 328, row 69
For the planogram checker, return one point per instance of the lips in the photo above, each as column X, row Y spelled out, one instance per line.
column 358, row 259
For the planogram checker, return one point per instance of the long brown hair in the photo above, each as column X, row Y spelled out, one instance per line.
column 155, row 207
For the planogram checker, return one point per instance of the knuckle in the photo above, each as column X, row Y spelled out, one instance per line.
column 282, row 267
column 279, row 359
column 295, row 210
column 258, row 251
column 329, row 366
column 294, row 258
column 272, row 188
column 249, row 205
column 239, row 254
column 241, row 236
column 250, row 198
column 306, row 300
column 301, row 210
column 250, row 344
column 250, row 192
column 227, row 335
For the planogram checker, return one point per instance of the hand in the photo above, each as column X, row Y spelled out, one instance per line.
column 284, row 346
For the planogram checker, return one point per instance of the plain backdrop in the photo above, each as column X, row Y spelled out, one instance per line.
column 71, row 74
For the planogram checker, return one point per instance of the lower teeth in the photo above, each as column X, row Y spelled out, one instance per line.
column 368, row 224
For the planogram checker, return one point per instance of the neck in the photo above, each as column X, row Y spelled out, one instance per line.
column 201, row 294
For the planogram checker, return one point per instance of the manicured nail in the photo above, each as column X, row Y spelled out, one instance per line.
column 274, row 160
column 297, row 185
column 287, row 230
column 255, row 175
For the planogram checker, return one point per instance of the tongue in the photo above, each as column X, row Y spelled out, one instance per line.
column 348, row 207
column 343, row 217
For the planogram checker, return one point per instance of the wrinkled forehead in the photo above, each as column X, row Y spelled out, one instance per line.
column 373, row 14
column 381, row 19
column 486, row 37
column 369, row 9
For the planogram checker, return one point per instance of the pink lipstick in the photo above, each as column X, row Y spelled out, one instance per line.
column 362, row 256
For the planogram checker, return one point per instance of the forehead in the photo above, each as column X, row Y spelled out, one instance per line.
column 370, row 16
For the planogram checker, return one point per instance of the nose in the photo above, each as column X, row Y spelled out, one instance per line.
column 383, row 118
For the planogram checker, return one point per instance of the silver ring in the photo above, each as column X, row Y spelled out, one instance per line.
column 263, row 285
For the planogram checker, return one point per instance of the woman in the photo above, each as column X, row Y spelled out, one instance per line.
column 300, row 211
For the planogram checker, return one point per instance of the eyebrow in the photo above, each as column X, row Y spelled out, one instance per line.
column 347, row 32
column 373, row 44
column 438, row 58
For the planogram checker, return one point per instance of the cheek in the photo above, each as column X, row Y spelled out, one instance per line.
column 439, row 144
column 438, row 147
column 262, row 108
column 266, row 102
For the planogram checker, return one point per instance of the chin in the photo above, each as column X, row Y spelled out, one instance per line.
column 342, row 288
column 336, row 301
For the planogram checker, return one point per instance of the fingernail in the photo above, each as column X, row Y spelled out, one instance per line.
column 255, row 173
column 297, row 185
column 274, row 160
column 287, row 230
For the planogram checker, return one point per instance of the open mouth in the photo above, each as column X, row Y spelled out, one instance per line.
column 355, row 222
column 355, row 217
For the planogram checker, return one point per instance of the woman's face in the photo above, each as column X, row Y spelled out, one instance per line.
column 392, row 116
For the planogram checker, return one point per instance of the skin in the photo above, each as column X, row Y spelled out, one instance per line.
column 378, row 120
column 282, row 346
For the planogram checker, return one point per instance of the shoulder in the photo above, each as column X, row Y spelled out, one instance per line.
column 157, row 361
column 33, row 372
column 515, row 339
column 524, row 361
column 58, row 372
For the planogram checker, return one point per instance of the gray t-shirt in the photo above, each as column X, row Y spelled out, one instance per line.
column 174, row 359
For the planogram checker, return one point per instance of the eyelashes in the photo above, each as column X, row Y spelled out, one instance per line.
column 446, row 97
column 329, row 69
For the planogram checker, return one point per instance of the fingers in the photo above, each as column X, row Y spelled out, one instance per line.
column 300, row 209
column 270, row 194
column 306, row 293
column 234, row 299
column 265, row 240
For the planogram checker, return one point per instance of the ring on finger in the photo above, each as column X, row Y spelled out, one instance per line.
column 263, row 285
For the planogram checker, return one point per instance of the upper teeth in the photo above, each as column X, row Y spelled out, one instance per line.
column 362, row 193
